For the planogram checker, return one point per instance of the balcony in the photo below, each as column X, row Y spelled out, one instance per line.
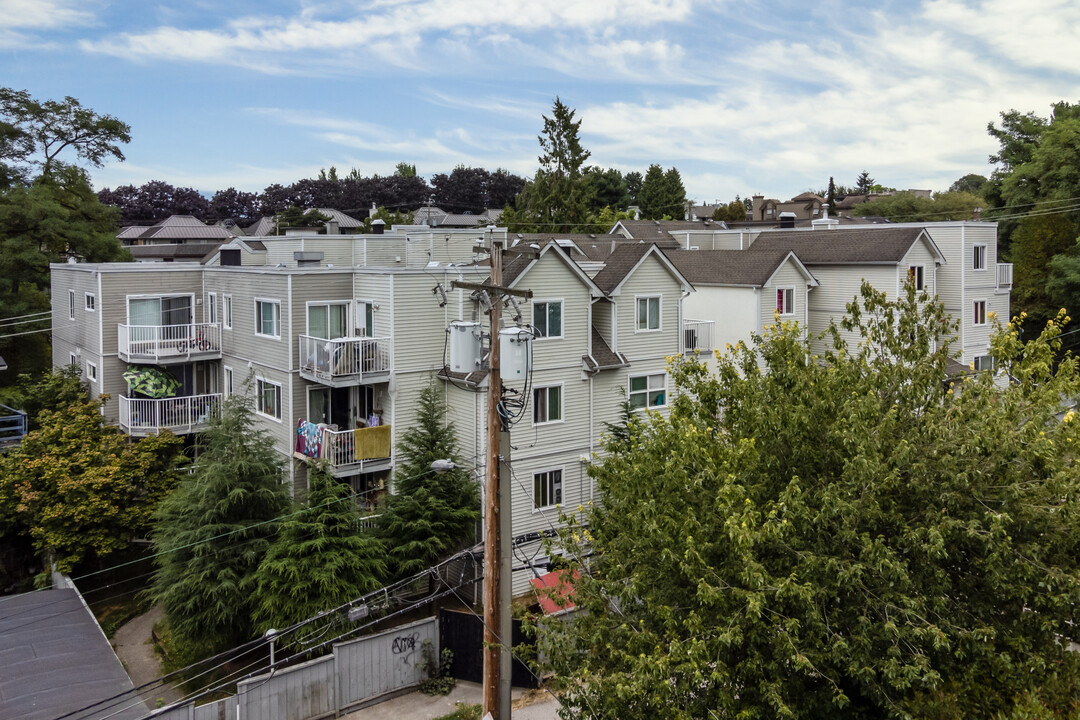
column 179, row 415
column 697, row 335
column 1004, row 276
column 345, row 361
column 12, row 427
column 346, row 452
column 165, row 344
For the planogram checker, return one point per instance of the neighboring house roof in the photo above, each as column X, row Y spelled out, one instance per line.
column 515, row 266
column 625, row 259
column 55, row 660
column 752, row 268
column 177, row 227
column 262, row 228
column 658, row 230
column 602, row 356
column 868, row 245
column 183, row 251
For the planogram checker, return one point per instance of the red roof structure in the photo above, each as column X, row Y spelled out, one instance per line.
column 555, row 590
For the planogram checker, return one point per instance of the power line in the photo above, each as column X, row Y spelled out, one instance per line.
column 5, row 323
column 19, row 317
column 28, row 332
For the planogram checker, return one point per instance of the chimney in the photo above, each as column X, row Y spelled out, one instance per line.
column 377, row 227
column 755, row 207
column 787, row 220
column 333, row 227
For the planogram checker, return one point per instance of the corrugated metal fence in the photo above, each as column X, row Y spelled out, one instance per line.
column 356, row 672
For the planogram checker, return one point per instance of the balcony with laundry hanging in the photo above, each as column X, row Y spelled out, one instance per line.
column 345, row 452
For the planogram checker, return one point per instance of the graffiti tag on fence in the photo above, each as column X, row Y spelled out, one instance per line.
column 405, row 645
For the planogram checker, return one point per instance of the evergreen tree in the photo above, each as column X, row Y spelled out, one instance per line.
column 431, row 514
column 675, row 199
column 213, row 531
column 864, row 184
column 321, row 559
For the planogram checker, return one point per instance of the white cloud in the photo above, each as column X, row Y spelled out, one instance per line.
column 19, row 19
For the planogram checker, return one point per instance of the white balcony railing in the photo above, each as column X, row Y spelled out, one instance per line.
column 164, row 343
column 344, row 360
column 180, row 415
column 358, row 450
column 1004, row 275
column 697, row 335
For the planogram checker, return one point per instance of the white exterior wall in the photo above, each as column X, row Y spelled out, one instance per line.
column 734, row 312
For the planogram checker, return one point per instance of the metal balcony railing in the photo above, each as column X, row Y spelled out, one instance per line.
column 697, row 335
column 1004, row 275
column 12, row 427
column 179, row 415
column 345, row 361
column 168, row 343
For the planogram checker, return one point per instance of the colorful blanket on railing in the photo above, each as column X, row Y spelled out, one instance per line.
column 309, row 439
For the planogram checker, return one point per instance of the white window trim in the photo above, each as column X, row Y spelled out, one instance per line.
column 562, row 404
column 158, row 296
column 974, row 313
column 360, row 309
column 91, row 371
column 73, row 359
column 562, row 489
column 228, row 377
column 310, row 303
column 211, row 308
column 916, row 276
column 71, row 304
column 90, row 302
column 226, row 311
column 258, row 317
column 984, row 260
column 259, row 382
column 990, row 358
column 659, row 314
column 790, row 311
column 647, row 390
column 562, row 317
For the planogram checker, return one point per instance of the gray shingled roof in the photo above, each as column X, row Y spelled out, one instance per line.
column 658, row 230
column 177, row 227
column 751, row 267
column 170, row 251
column 620, row 263
column 54, row 660
column 871, row 245
column 602, row 353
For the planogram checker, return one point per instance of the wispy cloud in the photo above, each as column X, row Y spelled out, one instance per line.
column 20, row 20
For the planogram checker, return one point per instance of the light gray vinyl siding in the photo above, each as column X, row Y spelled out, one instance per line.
column 84, row 331
column 838, row 286
column 241, row 344
column 919, row 254
column 650, row 278
column 602, row 311
column 735, row 312
column 786, row 276
column 118, row 286
column 551, row 280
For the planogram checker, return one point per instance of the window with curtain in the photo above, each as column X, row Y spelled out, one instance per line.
column 327, row 321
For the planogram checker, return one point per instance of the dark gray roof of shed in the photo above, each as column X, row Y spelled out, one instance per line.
column 751, row 267
column 54, row 659
column 866, row 245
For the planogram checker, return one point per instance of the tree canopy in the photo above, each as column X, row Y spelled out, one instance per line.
column 851, row 535
column 909, row 207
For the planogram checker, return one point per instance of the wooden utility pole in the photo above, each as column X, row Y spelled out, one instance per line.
column 492, row 519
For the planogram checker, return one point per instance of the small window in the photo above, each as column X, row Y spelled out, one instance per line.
column 71, row 304
column 228, row 389
column 648, row 313
column 211, row 308
column 978, row 257
column 269, row 400
column 547, row 318
column 547, row 404
column 980, row 312
column 226, row 302
column 268, row 318
column 547, row 489
column 984, row 362
column 91, row 302
column 648, row 391
column 91, row 371
column 73, row 360
column 785, row 301
column 915, row 276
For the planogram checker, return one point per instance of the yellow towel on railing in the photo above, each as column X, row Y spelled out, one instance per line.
column 372, row 443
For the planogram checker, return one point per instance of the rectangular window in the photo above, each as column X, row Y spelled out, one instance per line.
column 327, row 320
column 547, row 318
column 228, row 389
column 91, row 371
column 71, row 304
column 785, row 301
column 211, row 308
column 365, row 319
column 648, row 313
column 226, row 302
column 547, row 489
column 984, row 362
column 980, row 312
column 547, row 404
column 915, row 275
column 978, row 257
column 268, row 318
column 648, row 391
column 91, row 302
column 269, row 398
column 73, row 359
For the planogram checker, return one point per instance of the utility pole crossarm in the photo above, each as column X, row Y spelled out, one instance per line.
column 496, row 289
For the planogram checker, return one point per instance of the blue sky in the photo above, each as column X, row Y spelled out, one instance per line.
column 742, row 97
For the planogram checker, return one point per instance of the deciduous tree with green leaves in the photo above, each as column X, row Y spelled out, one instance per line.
column 850, row 535
column 81, row 489
column 430, row 514
column 212, row 532
column 320, row 559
